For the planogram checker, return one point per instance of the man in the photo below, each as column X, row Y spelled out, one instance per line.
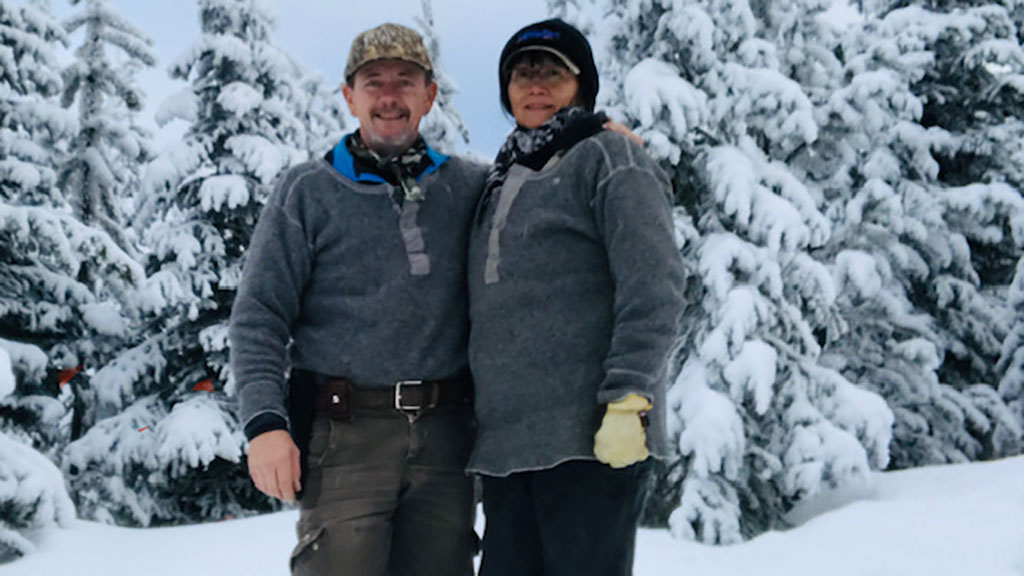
column 359, row 261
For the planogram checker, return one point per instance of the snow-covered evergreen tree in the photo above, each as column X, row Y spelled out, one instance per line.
column 760, row 421
column 169, row 393
column 568, row 10
column 106, row 154
column 322, row 113
column 926, row 242
column 32, row 493
column 245, row 105
column 971, row 84
column 1011, row 361
column 443, row 127
column 33, row 127
column 51, row 317
column 805, row 43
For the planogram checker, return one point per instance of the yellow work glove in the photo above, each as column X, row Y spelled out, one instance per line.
column 622, row 440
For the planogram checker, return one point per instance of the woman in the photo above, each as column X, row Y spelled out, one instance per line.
column 575, row 297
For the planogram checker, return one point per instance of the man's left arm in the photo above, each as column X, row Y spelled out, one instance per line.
column 268, row 301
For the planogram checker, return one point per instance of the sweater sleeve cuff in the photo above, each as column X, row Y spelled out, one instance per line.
column 266, row 422
column 619, row 383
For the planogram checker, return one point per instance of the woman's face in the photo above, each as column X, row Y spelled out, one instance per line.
column 538, row 87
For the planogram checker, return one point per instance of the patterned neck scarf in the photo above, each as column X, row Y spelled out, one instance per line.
column 534, row 148
column 401, row 170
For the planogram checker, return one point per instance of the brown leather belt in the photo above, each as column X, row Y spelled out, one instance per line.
column 339, row 397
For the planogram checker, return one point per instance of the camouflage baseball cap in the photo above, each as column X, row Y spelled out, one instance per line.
column 385, row 42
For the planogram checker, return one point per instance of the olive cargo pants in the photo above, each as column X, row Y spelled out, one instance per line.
column 386, row 495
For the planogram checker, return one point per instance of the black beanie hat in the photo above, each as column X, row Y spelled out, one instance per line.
column 561, row 39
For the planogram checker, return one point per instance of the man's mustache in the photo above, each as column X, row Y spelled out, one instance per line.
column 390, row 110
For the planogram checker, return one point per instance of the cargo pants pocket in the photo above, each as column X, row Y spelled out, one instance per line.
column 308, row 557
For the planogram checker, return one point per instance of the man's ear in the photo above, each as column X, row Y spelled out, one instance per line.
column 350, row 99
column 431, row 95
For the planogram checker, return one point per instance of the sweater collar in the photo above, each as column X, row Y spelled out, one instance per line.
column 344, row 163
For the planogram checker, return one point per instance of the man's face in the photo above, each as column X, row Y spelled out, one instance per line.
column 389, row 97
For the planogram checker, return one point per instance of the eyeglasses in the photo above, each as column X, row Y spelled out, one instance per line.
column 547, row 76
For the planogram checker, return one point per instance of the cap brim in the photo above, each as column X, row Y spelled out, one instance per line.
column 429, row 70
column 540, row 48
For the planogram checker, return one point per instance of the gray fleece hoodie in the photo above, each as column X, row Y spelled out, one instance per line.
column 575, row 288
column 365, row 289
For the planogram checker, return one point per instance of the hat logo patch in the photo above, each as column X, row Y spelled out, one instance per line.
column 538, row 35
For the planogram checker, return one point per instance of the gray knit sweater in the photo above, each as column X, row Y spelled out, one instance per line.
column 363, row 288
column 575, row 288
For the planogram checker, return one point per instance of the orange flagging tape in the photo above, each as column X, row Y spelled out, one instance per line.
column 65, row 376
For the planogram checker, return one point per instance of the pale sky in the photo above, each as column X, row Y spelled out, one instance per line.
column 318, row 34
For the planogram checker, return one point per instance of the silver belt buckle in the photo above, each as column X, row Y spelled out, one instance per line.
column 398, row 394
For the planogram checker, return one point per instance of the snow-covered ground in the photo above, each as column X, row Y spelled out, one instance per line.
column 951, row 521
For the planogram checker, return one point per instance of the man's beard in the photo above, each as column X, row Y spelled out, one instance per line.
column 390, row 145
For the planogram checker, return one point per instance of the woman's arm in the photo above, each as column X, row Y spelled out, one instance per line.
column 635, row 216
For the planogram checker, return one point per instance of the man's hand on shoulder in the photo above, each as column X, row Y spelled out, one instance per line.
column 274, row 464
column 621, row 129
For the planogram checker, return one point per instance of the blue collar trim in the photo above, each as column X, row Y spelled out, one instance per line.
column 345, row 164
